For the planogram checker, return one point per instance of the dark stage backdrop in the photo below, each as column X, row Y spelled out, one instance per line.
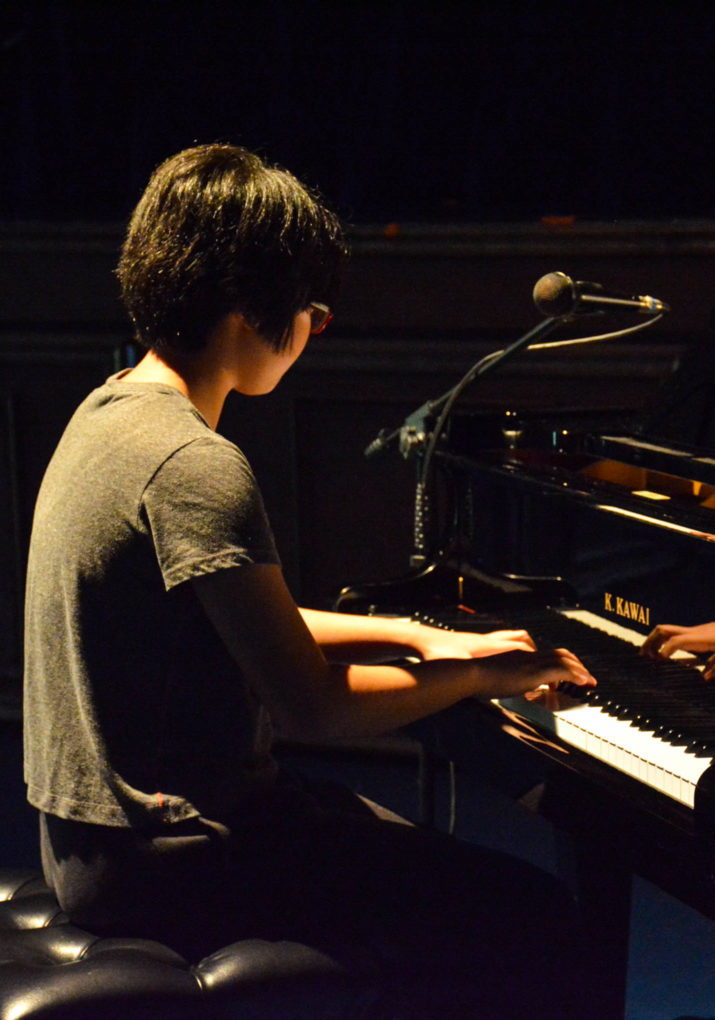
column 397, row 110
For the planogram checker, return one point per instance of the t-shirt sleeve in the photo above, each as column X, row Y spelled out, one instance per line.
column 205, row 512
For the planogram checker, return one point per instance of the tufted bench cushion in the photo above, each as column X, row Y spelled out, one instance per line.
column 50, row 968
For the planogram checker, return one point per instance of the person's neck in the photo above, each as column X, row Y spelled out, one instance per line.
column 202, row 384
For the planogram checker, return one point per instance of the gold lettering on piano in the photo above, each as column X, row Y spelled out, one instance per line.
column 626, row 608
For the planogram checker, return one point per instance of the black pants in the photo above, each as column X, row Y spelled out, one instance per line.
column 461, row 931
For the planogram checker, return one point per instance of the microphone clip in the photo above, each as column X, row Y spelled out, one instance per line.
column 411, row 436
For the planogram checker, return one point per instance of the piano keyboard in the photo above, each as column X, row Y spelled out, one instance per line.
column 646, row 729
column 653, row 720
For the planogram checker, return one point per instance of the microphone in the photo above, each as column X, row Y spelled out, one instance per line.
column 557, row 295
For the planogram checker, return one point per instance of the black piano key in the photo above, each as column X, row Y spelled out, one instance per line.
column 665, row 697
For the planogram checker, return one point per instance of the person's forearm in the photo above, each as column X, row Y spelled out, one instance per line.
column 384, row 698
column 368, row 700
column 364, row 700
column 349, row 638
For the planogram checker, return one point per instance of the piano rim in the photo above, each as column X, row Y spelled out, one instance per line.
column 657, row 838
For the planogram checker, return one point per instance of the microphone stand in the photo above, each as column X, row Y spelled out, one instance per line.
column 415, row 437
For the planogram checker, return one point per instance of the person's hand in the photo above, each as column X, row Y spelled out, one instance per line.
column 527, row 673
column 435, row 643
column 667, row 638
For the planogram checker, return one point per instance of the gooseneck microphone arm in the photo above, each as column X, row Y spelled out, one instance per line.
column 416, row 420
column 555, row 295
column 447, row 402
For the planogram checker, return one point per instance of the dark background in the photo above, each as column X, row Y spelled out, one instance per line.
column 398, row 110
column 471, row 147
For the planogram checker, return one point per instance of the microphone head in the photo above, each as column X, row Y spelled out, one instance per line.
column 555, row 294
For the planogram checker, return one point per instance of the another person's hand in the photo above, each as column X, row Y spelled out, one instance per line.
column 667, row 638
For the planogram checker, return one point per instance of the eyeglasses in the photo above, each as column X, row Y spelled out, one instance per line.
column 320, row 316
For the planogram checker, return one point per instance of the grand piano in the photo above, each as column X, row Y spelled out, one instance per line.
column 587, row 536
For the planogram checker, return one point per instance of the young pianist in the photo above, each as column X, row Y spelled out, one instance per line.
column 163, row 649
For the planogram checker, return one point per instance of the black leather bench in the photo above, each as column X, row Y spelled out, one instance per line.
column 49, row 968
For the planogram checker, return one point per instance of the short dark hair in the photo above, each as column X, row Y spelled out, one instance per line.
column 218, row 231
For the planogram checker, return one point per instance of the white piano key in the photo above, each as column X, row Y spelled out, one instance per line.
column 617, row 630
column 673, row 771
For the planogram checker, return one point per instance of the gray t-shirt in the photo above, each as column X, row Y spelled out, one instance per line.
column 134, row 710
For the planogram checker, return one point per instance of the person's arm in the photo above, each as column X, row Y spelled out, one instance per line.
column 310, row 698
column 346, row 637
column 667, row 638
